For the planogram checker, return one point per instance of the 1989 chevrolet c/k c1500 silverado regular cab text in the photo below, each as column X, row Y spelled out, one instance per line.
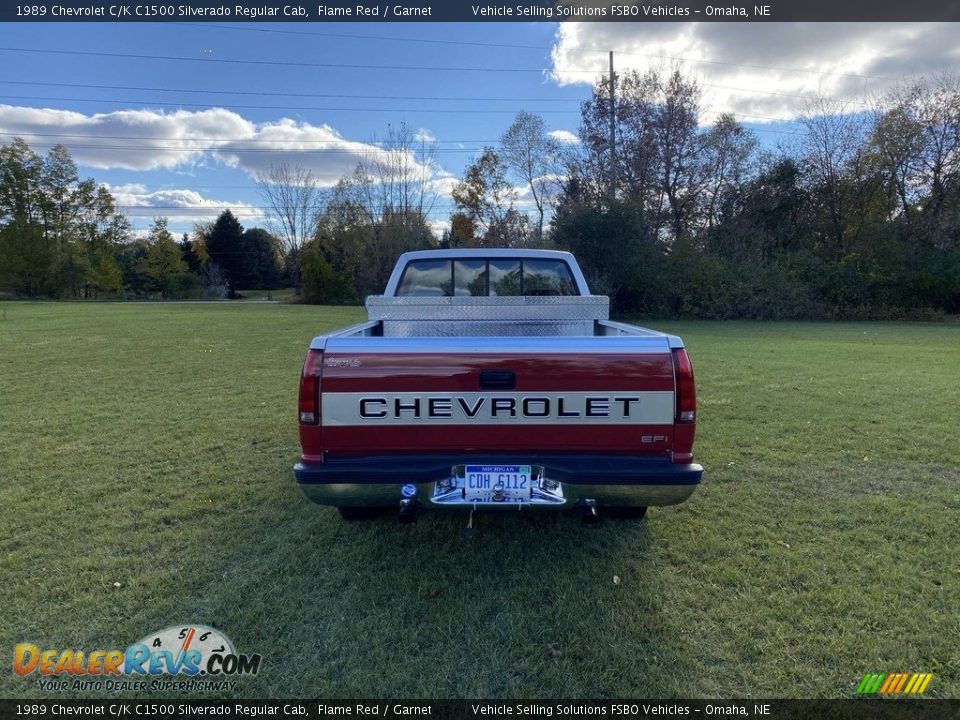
column 494, row 379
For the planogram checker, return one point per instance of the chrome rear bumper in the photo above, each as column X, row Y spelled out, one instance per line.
column 607, row 480
column 388, row 495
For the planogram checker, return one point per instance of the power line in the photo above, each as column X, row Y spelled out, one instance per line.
column 208, row 91
column 148, row 103
column 536, row 47
column 463, row 111
column 750, row 91
column 295, row 143
column 386, row 38
column 231, row 149
column 209, row 139
column 432, row 68
column 243, row 206
column 227, row 148
column 275, row 63
column 240, row 206
column 406, row 67
column 118, row 186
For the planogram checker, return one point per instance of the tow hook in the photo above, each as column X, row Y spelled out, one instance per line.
column 588, row 512
column 408, row 505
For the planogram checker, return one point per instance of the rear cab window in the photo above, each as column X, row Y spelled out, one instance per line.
column 483, row 277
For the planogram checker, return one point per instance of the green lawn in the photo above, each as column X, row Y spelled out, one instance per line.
column 150, row 445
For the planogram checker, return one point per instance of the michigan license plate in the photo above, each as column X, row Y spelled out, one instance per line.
column 496, row 483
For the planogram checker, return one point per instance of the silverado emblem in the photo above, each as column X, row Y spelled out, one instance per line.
column 341, row 362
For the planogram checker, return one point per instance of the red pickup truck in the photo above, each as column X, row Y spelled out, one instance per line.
column 494, row 379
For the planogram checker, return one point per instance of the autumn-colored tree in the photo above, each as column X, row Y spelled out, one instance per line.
column 163, row 262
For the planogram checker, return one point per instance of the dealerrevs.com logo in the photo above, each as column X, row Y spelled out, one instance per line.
column 180, row 657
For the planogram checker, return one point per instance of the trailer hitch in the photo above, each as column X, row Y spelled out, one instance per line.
column 408, row 504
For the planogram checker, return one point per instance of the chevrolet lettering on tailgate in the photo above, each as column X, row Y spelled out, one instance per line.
column 494, row 379
column 447, row 409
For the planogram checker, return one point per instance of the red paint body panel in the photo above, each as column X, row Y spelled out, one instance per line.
column 406, row 372
column 625, row 439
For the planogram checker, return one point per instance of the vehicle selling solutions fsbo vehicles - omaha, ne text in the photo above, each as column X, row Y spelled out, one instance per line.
column 493, row 378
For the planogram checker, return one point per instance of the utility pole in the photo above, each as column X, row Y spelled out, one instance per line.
column 613, row 132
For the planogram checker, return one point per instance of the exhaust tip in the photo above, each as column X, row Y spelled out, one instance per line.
column 588, row 512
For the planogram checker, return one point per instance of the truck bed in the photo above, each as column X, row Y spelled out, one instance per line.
column 492, row 317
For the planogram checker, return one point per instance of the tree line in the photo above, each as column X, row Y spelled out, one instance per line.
column 61, row 236
column 857, row 215
column 853, row 214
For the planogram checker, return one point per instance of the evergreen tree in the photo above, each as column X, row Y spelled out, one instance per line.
column 225, row 247
column 190, row 255
column 262, row 268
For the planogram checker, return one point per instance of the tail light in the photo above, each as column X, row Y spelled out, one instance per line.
column 685, row 418
column 309, row 403
column 686, row 393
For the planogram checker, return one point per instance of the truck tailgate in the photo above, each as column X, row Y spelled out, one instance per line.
column 476, row 395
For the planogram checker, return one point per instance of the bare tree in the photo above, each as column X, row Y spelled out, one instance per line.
column 833, row 152
column 397, row 182
column 679, row 146
column 729, row 148
column 295, row 199
column 938, row 111
column 533, row 155
column 382, row 209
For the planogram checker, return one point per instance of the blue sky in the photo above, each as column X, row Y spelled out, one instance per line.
column 129, row 138
column 460, row 126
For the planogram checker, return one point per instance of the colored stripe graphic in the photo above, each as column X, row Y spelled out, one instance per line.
column 911, row 684
column 890, row 684
column 894, row 683
column 870, row 683
column 900, row 684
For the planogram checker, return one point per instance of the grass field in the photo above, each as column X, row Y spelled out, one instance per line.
column 145, row 455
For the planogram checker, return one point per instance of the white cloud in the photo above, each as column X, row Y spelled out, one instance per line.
column 564, row 136
column 425, row 136
column 153, row 139
column 764, row 71
column 444, row 185
column 523, row 194
column 127, row 139
column 318, row 148
column 177, row 204
column 438, row 226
